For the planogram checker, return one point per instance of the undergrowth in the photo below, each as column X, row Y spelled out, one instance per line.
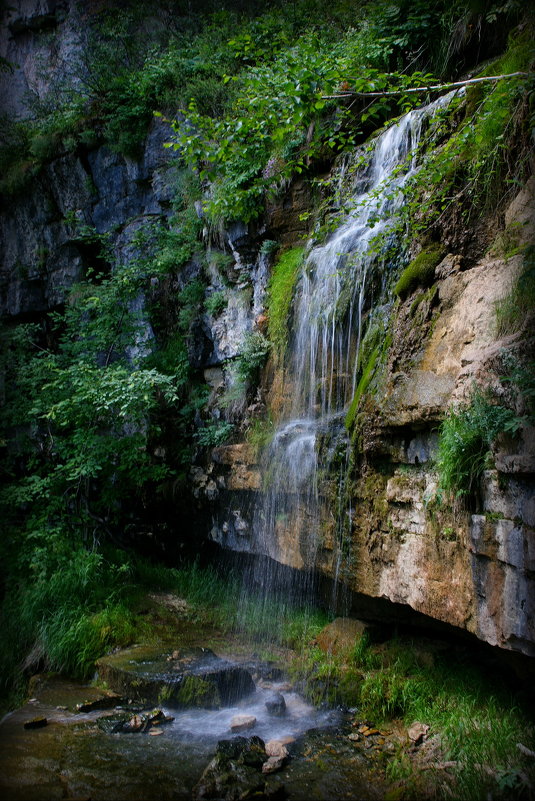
column 465, row 440
column 475, row 721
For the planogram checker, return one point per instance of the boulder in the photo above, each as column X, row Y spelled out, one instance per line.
column 186, row 677
column 276, row 705
column 242, row 722
column 235, row 771
column 341, row 634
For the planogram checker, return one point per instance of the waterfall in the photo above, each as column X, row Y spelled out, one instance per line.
column 324, row 357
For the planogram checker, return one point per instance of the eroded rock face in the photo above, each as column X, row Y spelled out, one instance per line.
column 42, row 232
column 472, row 570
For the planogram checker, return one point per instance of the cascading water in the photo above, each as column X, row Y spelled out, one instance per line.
column 324, row 352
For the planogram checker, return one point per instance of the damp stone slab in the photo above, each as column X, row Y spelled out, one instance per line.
column 185, row 677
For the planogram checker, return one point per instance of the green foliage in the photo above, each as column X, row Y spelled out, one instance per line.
column 486, row 154
column 253, row 354
column 180, row 242
column 269, row 247
column 280, row 120
column 216, row 303
column 513, row 312
column 280, row 294
column 84, row 400
column 466, row 436
column 475, row 721
column 190, row 300
column 420, row 271
column 214, row 433
column 68, row 614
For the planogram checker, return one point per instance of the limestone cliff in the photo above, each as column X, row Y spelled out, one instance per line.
column 378, row 527
column 472, row 568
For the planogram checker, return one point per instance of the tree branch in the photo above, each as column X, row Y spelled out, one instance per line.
column 437, row 88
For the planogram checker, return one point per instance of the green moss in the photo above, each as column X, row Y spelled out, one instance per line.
column 281, row 286
column 420, row 271
column 363, row 384
column 259, row 434
column 196, row 691
column 513, row 311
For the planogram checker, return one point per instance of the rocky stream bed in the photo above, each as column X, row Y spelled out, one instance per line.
column 186, row 724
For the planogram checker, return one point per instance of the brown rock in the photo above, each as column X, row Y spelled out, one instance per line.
column 276, row 748
column 272, row 764
column 340, row 635
column 417, row 731
column 242, row 722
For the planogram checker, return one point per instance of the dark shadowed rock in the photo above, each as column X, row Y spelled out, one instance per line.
column 235, row 771
column 276, row 705
column 36, row 723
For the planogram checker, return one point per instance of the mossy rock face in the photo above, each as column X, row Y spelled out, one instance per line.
column 189, row 677
column 420, row 271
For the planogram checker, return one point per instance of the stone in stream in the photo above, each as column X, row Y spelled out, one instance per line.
column 242, row 722
column 235, row 771
column 277, row 756
column 188, row 677
column 141, row 722
column 276, row 705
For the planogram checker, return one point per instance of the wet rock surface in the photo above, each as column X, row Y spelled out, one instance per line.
column 276, row 705
column 105, row 754
column 186, row 677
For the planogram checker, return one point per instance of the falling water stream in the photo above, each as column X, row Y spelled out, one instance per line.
column 324, row 351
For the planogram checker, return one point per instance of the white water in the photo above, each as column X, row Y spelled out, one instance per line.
column 211, row 725
column 328, row 329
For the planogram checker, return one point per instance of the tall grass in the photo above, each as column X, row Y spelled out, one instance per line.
column 476, row 722
column 76, row 609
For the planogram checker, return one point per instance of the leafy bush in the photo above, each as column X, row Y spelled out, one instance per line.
column 269, row 247
column 254, row 351
column 466, row 436
column 216, row 303
column 216, row 432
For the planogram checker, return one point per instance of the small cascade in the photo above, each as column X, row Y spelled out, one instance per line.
column 332, row 295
